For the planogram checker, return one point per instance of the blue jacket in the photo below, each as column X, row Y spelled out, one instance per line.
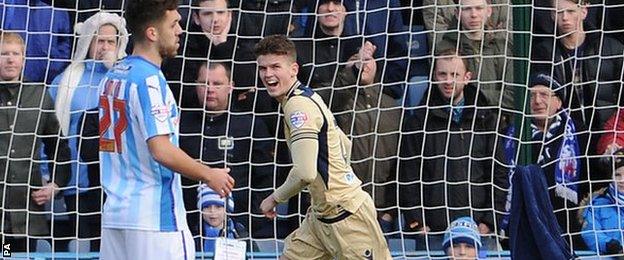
column 602, row 221
column 85, row 97
column 37, row 22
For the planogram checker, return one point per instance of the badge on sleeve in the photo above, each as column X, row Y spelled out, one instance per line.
column 298, row 118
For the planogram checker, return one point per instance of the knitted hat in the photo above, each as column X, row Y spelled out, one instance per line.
column 549, row 82
column 206, row 197
column 462, row 230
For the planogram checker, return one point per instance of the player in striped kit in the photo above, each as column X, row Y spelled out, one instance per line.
column 144, row 215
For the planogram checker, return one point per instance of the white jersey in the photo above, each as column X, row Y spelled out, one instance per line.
column 136, row 105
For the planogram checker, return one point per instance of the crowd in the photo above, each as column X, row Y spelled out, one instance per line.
column 438, row 123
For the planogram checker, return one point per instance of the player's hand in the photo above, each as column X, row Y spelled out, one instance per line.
column 268, row 207
column 219, row 180
column 45, row 194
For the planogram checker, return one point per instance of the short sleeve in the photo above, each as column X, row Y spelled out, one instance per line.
column 152, row 111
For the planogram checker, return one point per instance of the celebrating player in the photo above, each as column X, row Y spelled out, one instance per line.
column 144, row 216
column 341, row 223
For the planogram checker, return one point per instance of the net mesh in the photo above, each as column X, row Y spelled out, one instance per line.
column 425, row 158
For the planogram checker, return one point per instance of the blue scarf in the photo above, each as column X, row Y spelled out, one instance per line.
column 510, row 146
column 212, row 233
column 568, row 162
column 615, row 195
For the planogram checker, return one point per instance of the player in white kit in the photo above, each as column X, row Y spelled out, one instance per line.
column 144, row 215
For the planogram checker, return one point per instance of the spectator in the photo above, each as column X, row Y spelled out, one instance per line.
column 47, row 34
column 102, row 39
column 27, row 122
column 214, row 218
column 321, row 57
column 556, row 145
column 588, row 64
column 440, row 16
column 456, row 148
column 462, row 239
column 223, row 139
column 488, row 51
column 603, row 218
column 390, row 37
column 613, row 137
column 212, row 36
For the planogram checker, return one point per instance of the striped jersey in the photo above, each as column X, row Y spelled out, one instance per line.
column 336, row 186
column 135, row 105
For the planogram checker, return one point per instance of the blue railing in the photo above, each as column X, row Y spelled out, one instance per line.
column 265, row 255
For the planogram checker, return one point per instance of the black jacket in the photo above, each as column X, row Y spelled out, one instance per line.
column 601, row 71
column 235, row 141
column 322, row 61
column 449, row 164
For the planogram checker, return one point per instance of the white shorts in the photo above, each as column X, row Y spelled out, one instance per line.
column 119, row 244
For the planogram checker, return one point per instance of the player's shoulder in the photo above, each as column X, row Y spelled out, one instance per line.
column 135, row 69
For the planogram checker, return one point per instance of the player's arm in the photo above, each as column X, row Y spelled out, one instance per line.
column 302, row 173
column 305, row 120
column 148, row 105
column 172, row 157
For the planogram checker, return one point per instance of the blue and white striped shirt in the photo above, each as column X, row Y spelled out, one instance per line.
column 135, row 105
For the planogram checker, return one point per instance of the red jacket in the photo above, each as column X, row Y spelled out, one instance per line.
column 613, row 133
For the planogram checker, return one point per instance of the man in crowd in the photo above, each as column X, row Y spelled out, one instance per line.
column 27, row 122
column 220, row 138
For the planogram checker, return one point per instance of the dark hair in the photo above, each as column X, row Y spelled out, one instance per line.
column 277, row 45
column 449, row 54
column 141, row 14
column 215, row 65
column 196, row 4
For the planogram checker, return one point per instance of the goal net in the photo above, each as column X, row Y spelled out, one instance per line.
column 445, row 103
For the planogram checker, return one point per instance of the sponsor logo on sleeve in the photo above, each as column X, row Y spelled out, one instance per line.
column 161, row 113
column 298, row 119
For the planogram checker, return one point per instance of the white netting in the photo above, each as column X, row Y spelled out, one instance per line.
column 425, row 160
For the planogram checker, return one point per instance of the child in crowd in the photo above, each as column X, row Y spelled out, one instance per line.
column 214, row 209
column 603, row 219
column 462, row 239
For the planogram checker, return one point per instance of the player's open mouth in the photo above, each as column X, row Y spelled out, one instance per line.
column 272, row 83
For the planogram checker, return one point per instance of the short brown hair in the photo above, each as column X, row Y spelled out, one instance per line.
column 141, row 14
column 214, row 65
column 277, row 45
column 579, row 2
column 12, row 37
column 449, row 54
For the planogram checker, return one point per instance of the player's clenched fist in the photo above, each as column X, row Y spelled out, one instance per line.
column 268, row 207
column 219, row 180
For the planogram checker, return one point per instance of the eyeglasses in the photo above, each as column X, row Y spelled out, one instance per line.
column 541, row 95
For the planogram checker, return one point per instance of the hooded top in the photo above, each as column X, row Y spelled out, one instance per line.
column 74, row 72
